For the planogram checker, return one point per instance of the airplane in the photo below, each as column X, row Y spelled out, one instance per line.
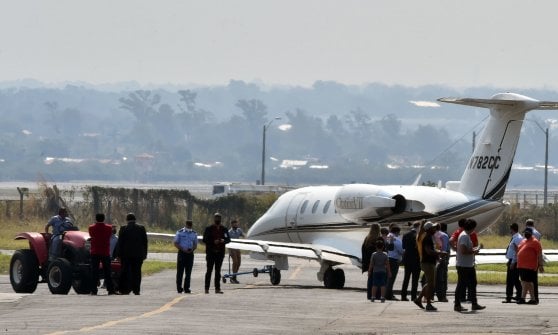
column 329, row 223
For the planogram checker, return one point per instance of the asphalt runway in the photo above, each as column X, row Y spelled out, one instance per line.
column 298, row 305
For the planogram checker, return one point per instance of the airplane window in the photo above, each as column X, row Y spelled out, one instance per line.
column 303, row 207
column 326, row 207
column 315, row 206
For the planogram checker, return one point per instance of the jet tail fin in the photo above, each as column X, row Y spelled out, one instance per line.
column 488, row 169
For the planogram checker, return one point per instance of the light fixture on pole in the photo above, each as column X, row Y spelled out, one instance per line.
column 265, row 126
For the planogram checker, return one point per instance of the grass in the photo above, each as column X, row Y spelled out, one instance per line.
column 152, row 267
column 495, row 274
column 501, row 242
column 4, row 264
column 486, row 273
column 148, row 268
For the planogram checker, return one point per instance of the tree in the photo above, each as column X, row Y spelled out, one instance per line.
column 254, row 111
column 359, row 124
column 191, row 117
column 141, row 103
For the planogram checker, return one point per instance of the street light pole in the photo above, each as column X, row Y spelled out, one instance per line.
column 265, row 126
column 545, row 192
column 546, row 168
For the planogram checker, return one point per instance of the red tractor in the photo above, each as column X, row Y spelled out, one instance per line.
column 70, row 269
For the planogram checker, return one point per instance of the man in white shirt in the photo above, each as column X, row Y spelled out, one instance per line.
column 512, row 274
column 395, row 255
column 465, row 265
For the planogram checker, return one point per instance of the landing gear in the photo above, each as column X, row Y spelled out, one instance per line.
column 275, row 276
column 334, row 278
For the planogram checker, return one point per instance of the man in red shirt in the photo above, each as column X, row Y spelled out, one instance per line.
column 529, row 261
column 100, row 233
column 455, row 235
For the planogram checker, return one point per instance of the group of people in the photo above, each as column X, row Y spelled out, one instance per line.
column 426, row 248
column 130, row 246
column 525, row 260
column 215, row 237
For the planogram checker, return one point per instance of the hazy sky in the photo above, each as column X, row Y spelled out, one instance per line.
column 510, row 44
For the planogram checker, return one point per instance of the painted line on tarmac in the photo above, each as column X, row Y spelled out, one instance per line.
column 107, row 324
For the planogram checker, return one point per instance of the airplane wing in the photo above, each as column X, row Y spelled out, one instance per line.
column 308, row 251
column 319, row 252
column 270, row 249
column 498, row 256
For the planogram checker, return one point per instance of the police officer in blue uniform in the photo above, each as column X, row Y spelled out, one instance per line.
column 186, row 241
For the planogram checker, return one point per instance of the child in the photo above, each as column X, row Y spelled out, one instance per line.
column 379, row 270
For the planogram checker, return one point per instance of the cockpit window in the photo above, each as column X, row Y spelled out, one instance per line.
column 326, row 207
column 303, row 207
column 315, row 206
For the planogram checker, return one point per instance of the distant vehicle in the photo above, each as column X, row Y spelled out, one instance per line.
column 224, row 189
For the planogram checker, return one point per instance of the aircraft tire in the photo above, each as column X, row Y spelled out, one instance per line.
column 275, row 276
column 339, row 276
column 329, row 278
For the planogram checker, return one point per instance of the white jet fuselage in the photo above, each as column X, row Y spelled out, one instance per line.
column 324, row 215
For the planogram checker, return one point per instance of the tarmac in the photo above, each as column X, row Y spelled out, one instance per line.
column 298, row 305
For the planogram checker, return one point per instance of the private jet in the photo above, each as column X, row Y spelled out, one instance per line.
column 329, row 223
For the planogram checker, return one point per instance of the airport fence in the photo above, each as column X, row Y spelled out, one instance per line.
column 161, row 209
column 529, row 198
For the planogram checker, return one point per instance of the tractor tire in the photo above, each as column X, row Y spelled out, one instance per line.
column 82, row 284
column 115, row 278
column 24, row 271
column 59, row 276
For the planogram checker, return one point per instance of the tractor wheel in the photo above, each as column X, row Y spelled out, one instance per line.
column 115, row 278
column 275, row 276
column 24, row 271
column 82, row 284
column 59, row 276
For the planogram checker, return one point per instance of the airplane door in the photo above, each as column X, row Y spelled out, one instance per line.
column 292, row 217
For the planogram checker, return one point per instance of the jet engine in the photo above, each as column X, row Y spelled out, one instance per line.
column 363, row 203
